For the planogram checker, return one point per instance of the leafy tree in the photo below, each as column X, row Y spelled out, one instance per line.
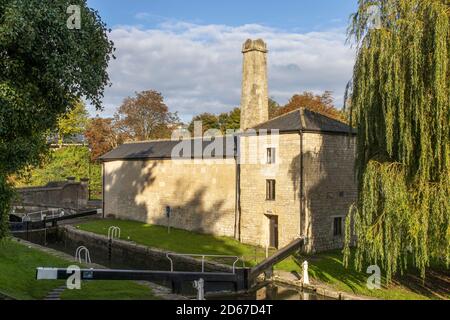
column 102, row 136
column 145, row 117
column 46, row 68
column 400, row 97
column 230, row 120
column 274, row 108
column 73, row 122
column 208, row 120
column 322, row 104
column 223, row 122
column 72, row 161
column 227, row 120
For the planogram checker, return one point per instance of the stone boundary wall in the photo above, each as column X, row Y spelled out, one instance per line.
column 128, row 253
column 65, row 194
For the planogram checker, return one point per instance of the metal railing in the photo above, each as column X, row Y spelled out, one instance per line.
column 202, row 256
column 27, row 224
column 43, row 214
column 87, row 256
column 114, row 232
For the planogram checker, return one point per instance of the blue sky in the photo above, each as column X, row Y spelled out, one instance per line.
column 190, row 50
column 294, row 15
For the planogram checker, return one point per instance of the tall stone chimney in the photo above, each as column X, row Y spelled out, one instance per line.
column 255, row 99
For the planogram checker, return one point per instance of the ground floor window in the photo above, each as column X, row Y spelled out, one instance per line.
column 337, row 226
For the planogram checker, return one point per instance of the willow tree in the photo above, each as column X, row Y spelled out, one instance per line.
column 52, row 54
column 400, row 100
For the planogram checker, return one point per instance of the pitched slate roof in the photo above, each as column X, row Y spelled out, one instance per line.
column 298, row 120
column 162, row 149
column 305, row 120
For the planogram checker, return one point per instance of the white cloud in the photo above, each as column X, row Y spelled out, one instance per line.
column 198, row 67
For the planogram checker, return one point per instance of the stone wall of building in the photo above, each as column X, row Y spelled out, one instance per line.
column 61, row 194
column 254, row 173
column 330, row 186
column 201, row 193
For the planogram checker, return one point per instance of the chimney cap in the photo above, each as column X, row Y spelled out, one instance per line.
column 254, row 45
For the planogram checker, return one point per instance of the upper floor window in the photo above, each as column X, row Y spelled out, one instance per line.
column 270, row 155
column 270, row 189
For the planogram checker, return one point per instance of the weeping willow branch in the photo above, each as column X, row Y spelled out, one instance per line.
column 400, row 105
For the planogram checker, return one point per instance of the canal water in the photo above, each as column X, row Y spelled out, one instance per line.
column 271, row 291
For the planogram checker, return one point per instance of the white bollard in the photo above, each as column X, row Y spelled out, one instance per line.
column 200, row 286
column 305, row 272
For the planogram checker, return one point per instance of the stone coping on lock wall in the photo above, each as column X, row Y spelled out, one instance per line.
column 61, row 194
column 141, row 251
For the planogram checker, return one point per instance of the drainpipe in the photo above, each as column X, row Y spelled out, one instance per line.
column 103, row 189
column 302, row 197
column 237, row 209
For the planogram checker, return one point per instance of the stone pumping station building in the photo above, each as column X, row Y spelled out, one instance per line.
column 273, row 182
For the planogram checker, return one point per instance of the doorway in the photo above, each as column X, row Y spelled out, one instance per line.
column 273, row 231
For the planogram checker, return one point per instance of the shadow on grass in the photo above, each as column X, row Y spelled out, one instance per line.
column 436, row 284
column 329, row 268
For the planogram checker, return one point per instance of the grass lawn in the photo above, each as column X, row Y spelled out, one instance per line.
column 180, row 241
column 324, row 267
column 109, row 290
column 18, row 265
column 328, row 268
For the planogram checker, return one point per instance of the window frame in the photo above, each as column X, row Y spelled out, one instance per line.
column 270, row 189
column 337, row 232
column 271, row 155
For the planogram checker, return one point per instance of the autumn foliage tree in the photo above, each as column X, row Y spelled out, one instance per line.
column 274, row 108
column 102, row 136
column 145, row 117
column 323, row 104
